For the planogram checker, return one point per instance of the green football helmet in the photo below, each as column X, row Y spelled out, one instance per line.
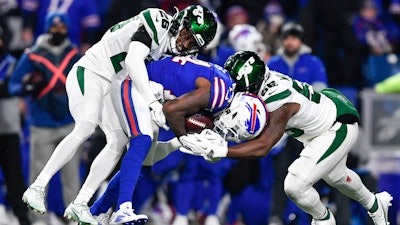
column 199, row 21
column 247, row 69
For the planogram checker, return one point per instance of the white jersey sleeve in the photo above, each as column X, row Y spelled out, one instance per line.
column 157, row 24
column 107, row 57
column 317, row 112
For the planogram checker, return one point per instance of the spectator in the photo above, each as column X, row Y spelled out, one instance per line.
column 83, row 15
column 216, row 52
column 293, row 58
column 371, row 31
column 245, row 37
column 330, row 34
column 271, row 24
column 10, row 129
column 236, row 15
column 11, row 23
column 40, row 74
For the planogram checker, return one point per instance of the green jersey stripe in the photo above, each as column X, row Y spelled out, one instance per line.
column 339, row 138
column 278, row 96
column 81, row 79
column 149, row 21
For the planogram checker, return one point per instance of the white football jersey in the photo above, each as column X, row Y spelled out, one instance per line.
column 107, row 57
column 317, row 112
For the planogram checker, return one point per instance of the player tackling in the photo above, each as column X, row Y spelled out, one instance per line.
column 148, row 36
column 325, row 122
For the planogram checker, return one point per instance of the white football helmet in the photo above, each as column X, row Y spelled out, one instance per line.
column 244, row 119
column 245, row 37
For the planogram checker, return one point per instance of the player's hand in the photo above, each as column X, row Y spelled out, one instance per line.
column 210, row 159
column 157, row 115
column 208, row 144
column 158, row 91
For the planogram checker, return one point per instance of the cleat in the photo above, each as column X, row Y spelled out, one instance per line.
column 79, row 213
column 128, row 217
column 141, row 221
column 103, row 218
column 328, row 221
column 34, row 198
column 380, row 216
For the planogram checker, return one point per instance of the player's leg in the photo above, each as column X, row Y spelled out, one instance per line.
column 349, row 183
column 109, row 198
column 318, row 158
column 108, row 157
column 135, row 119
column 85, row 92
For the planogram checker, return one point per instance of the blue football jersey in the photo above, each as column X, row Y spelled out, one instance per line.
column 178, row 76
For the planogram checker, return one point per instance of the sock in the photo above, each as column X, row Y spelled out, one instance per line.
column 131, row 166
column 374, row 206
column 327, row 215
column 83, row 196
column 109, row 197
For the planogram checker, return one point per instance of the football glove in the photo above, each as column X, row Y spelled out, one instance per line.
column 158, row 91
column 208, row 144
column 157, row 115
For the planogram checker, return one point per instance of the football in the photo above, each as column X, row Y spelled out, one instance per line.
column 199, row 121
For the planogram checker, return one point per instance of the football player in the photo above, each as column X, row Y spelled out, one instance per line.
column 189, row 85
column 147, row 36
column 325, row 122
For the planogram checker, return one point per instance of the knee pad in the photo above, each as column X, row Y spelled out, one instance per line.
column 84, row 129
column 116, row 140
column 295, row 187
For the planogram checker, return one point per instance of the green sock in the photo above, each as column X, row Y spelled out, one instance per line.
column 328, row 215
column 374, row 206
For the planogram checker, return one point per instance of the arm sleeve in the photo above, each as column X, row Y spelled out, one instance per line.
column 141, row 35
column 134, row 63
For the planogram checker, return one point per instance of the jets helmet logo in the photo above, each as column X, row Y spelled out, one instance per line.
column 246, row 69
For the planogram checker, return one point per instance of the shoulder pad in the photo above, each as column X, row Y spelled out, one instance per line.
column 156, row 22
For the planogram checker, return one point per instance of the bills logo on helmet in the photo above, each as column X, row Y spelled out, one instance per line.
column 253, row 123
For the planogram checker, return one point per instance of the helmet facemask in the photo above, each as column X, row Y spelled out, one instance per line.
column 190, row 32
column 244, row 119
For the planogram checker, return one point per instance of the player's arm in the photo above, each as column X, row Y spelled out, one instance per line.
column 189, row 103
column 139, row 49
column 271, row 134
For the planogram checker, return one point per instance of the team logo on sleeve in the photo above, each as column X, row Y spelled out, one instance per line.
column 253, row 123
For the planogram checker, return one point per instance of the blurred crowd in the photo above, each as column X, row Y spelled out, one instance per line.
column 349, row 45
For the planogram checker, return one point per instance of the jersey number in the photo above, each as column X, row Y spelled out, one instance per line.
column 116, row 61
column 183, row 60
column 306, row 90
column 164, row 20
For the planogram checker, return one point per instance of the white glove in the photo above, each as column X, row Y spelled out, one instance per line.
column 158, row 91
column 211, row 160
column 207, row 144
column 158, row 115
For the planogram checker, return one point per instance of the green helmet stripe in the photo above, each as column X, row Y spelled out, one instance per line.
column 149, row 21
column 278, row 96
